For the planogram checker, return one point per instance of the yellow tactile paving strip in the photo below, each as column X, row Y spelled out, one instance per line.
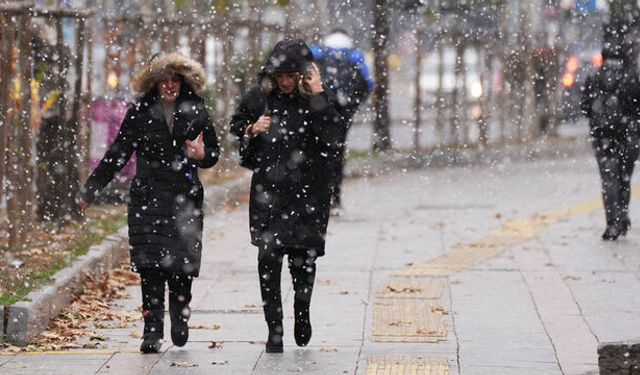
column 402, row 365
column 413, row 288
column 408, row 320
column 414, row 313
column 512, row 233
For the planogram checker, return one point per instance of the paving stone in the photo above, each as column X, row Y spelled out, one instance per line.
column 309, row 361
column 129, row 363
column 36, row 364
column 232, row 358
column 572, row 339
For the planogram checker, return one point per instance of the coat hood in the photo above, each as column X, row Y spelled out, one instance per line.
column 168, row 64
column 288, row 55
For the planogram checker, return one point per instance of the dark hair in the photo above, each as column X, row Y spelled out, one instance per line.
column 339, row 30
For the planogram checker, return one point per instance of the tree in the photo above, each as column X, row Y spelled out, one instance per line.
column 382, row 136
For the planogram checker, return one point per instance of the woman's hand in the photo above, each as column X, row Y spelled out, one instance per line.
column 84, row 205
column 313, row 79
column 260, row 126
column 195, row 148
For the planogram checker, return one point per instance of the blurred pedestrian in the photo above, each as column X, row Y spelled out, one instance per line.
column 172, row 135
column 289, row 128
column 346, row 74
column 611, row 102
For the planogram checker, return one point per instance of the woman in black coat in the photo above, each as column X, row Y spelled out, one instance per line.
column 172, row 135
column 289, row 129
column 610, row 101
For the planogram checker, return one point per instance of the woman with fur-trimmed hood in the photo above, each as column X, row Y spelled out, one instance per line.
column 288, row 129
column 172, row 135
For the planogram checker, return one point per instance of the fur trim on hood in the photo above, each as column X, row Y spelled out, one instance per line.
column 167, row 64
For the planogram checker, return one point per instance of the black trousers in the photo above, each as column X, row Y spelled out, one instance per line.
column 616, row 158
column 153, row 287
column 302, row 266
column 336, row 167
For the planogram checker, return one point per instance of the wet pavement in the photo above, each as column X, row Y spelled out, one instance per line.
column 492, row 269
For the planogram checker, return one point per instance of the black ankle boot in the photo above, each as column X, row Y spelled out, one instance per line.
column 179, row 312
column 611, row 233
column 274, row 340
column 153, row 331
column 302, row 328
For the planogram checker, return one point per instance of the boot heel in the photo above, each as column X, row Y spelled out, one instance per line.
column 274, row 340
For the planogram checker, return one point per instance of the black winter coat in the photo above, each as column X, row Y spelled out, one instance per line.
column 165, row 201
column 611, row 101
column 290, row 192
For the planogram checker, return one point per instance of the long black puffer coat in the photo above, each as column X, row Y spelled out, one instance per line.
column 289, row 203
column 165, row 207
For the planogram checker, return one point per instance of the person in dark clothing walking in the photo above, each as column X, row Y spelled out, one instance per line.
column 346, row 74
column 289, row 130
column 172, row 135
column 610, row 101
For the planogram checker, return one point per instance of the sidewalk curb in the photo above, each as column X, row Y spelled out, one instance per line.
column 27, row 319
column 539, row 149
column 24, row 320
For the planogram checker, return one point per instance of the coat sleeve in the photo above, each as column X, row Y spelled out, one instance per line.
column 630, row 94
column 211, row 145
column 116, row 157
column 327, row 124
column 247, row 113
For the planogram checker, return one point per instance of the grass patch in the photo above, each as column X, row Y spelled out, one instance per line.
column 46, row 256
column 362, row 154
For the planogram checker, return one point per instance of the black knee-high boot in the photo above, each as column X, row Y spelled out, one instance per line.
column 269, row 269
column 179, row 310
column 152, row 282
column 303, row 273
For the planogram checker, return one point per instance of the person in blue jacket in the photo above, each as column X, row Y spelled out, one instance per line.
column 345, row 73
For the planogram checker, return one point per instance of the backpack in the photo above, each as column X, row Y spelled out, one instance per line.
column 344, row 78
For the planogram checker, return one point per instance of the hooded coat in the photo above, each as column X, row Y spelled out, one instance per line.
column 165, row 199
column 610, row 97
column 289, row 200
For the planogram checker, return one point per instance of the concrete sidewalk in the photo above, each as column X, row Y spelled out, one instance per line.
column 490, row 269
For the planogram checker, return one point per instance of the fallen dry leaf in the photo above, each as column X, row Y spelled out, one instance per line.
column 215, row 345
column 328, row 350
column 183, row 364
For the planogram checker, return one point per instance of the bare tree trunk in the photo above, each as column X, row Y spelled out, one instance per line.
column 76, row 112
column 227, row 80
column 464, row 108
column 455, row 101
column 503, row 102
column 25, row 136
column 439, row 97
column 418, row 95
column 530, row 115
column 9, row 114
column 88, row 102
column 381, row 133
column 485, row 78
column 6, row 47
